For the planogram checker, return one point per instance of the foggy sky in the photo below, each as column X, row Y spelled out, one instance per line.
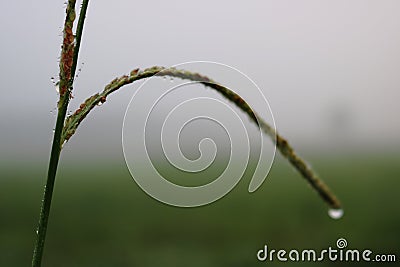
column 330, row 69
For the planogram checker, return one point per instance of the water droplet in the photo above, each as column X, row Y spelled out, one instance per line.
column 57, row 85
column 100, row 103
column 335, row 213
column 54, row 130
column 171, row 79
column 37, row 231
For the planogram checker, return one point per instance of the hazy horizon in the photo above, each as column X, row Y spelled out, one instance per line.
column 328, row 69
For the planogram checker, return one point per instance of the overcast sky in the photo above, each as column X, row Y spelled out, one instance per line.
column 323, row 65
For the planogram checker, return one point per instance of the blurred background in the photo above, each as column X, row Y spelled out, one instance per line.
column 329, row 70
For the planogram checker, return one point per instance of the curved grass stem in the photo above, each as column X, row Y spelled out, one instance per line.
column 73, row 121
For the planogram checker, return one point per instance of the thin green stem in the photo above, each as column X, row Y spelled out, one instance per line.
column 68, row 63
column 48, row 191
column 79, row 33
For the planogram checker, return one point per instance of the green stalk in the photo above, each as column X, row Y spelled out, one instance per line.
column 48, row 190
column 67, row 72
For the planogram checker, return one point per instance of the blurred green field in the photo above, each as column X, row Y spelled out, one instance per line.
column 100, row 217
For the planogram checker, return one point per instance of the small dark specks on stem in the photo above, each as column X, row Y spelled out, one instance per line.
column 114, row 81
column 102, row 100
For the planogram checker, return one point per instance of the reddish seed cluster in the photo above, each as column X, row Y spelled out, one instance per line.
column 68, row 136
column 239, row 100
column 134, row 72
column 198, row 77
column 66, row 57
column 79, row 109
column 124, row 78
